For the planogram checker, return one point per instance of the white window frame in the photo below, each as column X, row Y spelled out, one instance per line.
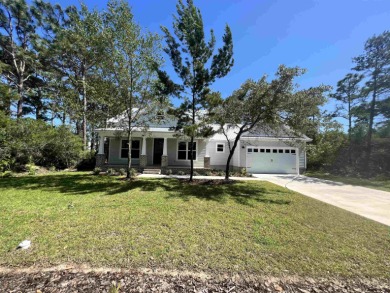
column 187, row 150
column 223, row 147
column 120, row 148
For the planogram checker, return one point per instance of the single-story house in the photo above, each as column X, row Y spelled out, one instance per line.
column 160, row 146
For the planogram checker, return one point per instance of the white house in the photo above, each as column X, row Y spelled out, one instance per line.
column 160, row 146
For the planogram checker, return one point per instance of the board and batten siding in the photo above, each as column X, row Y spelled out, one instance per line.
column 114, row 157
column 172, row 154
column 219, row 160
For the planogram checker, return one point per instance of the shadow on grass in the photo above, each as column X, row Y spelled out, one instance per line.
column 82, row 184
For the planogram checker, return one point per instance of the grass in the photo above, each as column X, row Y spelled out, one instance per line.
column 245, row 227
column 380, row 183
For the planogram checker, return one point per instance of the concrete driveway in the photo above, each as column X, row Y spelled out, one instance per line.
column 370, row 203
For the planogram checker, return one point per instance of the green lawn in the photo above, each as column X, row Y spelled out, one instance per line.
column 375, row 183
column 245, row 227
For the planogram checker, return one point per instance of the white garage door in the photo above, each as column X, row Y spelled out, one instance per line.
column 271, row 160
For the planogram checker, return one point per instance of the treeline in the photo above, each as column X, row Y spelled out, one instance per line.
column 66, row 71
column 363, row 100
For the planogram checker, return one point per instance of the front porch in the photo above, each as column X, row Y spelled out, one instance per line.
column 151, row 151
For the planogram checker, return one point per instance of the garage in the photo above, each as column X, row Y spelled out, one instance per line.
column 270, row 160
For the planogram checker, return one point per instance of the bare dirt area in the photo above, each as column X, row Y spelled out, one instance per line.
column 115, row 280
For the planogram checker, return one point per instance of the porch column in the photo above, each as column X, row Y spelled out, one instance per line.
column 165, row 149
column 101, row 145
column 206, row 159
column 164, row 157
column 143, row 146
column 100, row 156
column 143, row 158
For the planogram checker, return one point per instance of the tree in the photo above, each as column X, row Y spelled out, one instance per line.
column 255, row 103
column 348, row 92
column 19, row 24
column 131, row 58
column 375, row 64
column 194, row 63
column 76, row 52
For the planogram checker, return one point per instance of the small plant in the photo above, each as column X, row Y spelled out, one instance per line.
column 181, row 173
column 208, row 173
column 6, row 174
column 221, row 173
column 168, row 172
column 52, row 168
column 196, row 173
column 122, row 171
column 97, row 171
column 111, row 172
column 31, row 169
column 244, row 172
column 133, row 172
column 114, row 288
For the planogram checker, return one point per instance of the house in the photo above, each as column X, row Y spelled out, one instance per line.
column 160, row 146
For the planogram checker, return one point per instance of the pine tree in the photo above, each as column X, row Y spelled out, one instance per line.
column 190, row 55
column 374, row 63
column 348, row 93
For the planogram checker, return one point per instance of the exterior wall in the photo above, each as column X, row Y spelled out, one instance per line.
column 114, row 153
column 302, row 162
column 172, row 154
column 218, row 160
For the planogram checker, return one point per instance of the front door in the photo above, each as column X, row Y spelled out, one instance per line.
column 158, row 150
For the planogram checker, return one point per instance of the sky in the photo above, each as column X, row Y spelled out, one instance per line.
column 320, row 35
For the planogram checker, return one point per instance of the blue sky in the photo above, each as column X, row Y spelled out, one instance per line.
column 319, row 35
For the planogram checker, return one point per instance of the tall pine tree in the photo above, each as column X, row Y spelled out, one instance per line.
column 191, row 54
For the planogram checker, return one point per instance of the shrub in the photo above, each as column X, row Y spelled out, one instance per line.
column 168, row 172
column 181, row 173
column 52, row 168
column 133, row 172
column 6, row 174
column 244, row 172
column 122, row 171
column 208, row 173
column 221, row 173
column 196, row 173
column 88, row 162
column 111, row 172
column 31, row 169
column 97, row 171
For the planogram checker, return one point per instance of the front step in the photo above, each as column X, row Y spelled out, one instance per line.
column 152, row 171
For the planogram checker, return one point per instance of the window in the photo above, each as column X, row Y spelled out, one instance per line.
column 249, row 150
column 256, row 150
column 274, row 151
column 184, row 150
column 267, row 150
column 262, row 150
column 135, row 148
column 293, row 151
column 287, row 151
column 220, row 147
column 280, row 151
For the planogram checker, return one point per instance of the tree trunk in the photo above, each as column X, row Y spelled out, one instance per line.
column 371, row 121
column 84, row 113
column 231, row 153
column 192, row 158
column 349, row 131
column 192, row 137
column 19, row 110
column 129, row 137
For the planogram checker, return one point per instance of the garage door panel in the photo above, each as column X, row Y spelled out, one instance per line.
column 279, row 162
